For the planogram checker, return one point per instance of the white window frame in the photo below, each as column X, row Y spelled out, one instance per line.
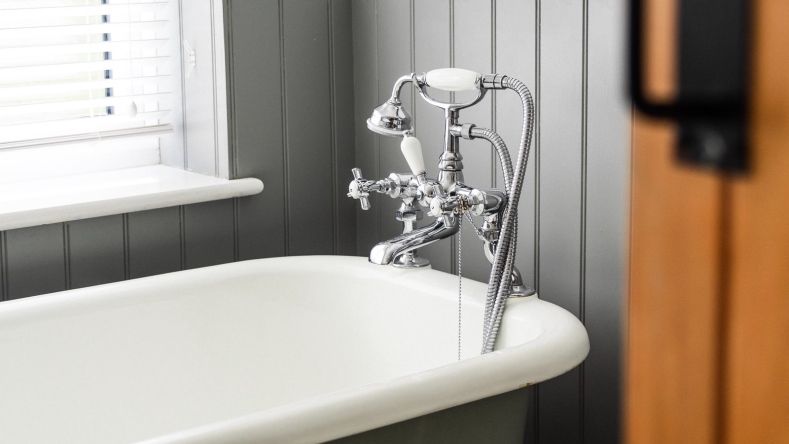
column 193, row 164
column 203, row 126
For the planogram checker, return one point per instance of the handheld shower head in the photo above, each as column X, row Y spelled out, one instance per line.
column 390, row 119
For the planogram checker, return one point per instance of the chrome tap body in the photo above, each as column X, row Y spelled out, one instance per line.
column 446, row 196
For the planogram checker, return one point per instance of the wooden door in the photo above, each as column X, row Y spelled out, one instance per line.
column 708, row 347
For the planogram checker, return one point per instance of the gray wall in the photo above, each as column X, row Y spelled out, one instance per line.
column 292, row 62
column 303, row 209
column 572, row 214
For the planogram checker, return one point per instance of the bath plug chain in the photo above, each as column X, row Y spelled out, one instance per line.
column 470, row 219
column 460, row 281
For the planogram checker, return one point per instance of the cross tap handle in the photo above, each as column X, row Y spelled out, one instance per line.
column 360, row 188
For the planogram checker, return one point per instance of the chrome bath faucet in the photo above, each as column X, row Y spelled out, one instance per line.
column 447, row 197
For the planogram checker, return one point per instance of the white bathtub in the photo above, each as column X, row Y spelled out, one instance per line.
column 286, row 350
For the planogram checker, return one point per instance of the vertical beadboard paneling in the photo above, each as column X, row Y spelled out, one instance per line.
column 36, row 260
column 560, row 158
column 343, row 130
column 431, row 31
column 3, row 279
column 561, row 101
column 308, row 123
column 515, row 45
column 567, row 252
column 473, row 50
column 516, row 56
column 154, row 242
column 608, row 146
column 257, row 125
column 208, row 234
column 365, row 87
column 394, row 61
column 3, row 268
column 97, row 251
column 561, row 125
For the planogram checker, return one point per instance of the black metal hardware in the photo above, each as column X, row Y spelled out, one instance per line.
column 711, row 104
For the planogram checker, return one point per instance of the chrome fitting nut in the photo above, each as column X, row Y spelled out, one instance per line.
column 476, row 202
column 427, row 192
column 493, row 81
column 488, row 235
column 465, row 131
column 412, row 214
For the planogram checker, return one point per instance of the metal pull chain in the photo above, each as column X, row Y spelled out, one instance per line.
column 471, row 219
column 460, row 281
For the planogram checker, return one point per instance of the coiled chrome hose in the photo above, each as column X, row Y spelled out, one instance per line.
column 503, row 262
column 506, row 165
column 501, row 151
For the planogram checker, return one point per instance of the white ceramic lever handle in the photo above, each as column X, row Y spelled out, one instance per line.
column 452, row 79
column 412, row 151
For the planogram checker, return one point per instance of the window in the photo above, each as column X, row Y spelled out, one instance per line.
column 95, row 86
column 84, row 69
column 84, row 77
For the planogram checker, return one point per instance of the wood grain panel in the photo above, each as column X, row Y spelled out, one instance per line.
column 757, row 398
column 672, row 370
column 660, row 49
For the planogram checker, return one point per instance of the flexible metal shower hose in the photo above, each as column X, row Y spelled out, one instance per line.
column 506, row 166
column 501, row 151
column 504, row 258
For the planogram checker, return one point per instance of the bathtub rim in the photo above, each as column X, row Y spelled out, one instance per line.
column 359, row 409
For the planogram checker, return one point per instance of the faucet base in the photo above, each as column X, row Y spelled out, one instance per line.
column 521, row 291
column 410, row 260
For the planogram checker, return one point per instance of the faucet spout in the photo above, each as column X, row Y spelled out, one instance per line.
column 386, row 252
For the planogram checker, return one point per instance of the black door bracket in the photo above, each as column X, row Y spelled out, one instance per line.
column 711, row 102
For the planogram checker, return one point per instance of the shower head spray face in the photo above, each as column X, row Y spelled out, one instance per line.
column 390, row 119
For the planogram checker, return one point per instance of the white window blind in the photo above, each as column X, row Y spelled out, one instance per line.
column 84, row 70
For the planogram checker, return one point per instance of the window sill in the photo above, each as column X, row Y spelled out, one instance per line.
column 46, row 201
